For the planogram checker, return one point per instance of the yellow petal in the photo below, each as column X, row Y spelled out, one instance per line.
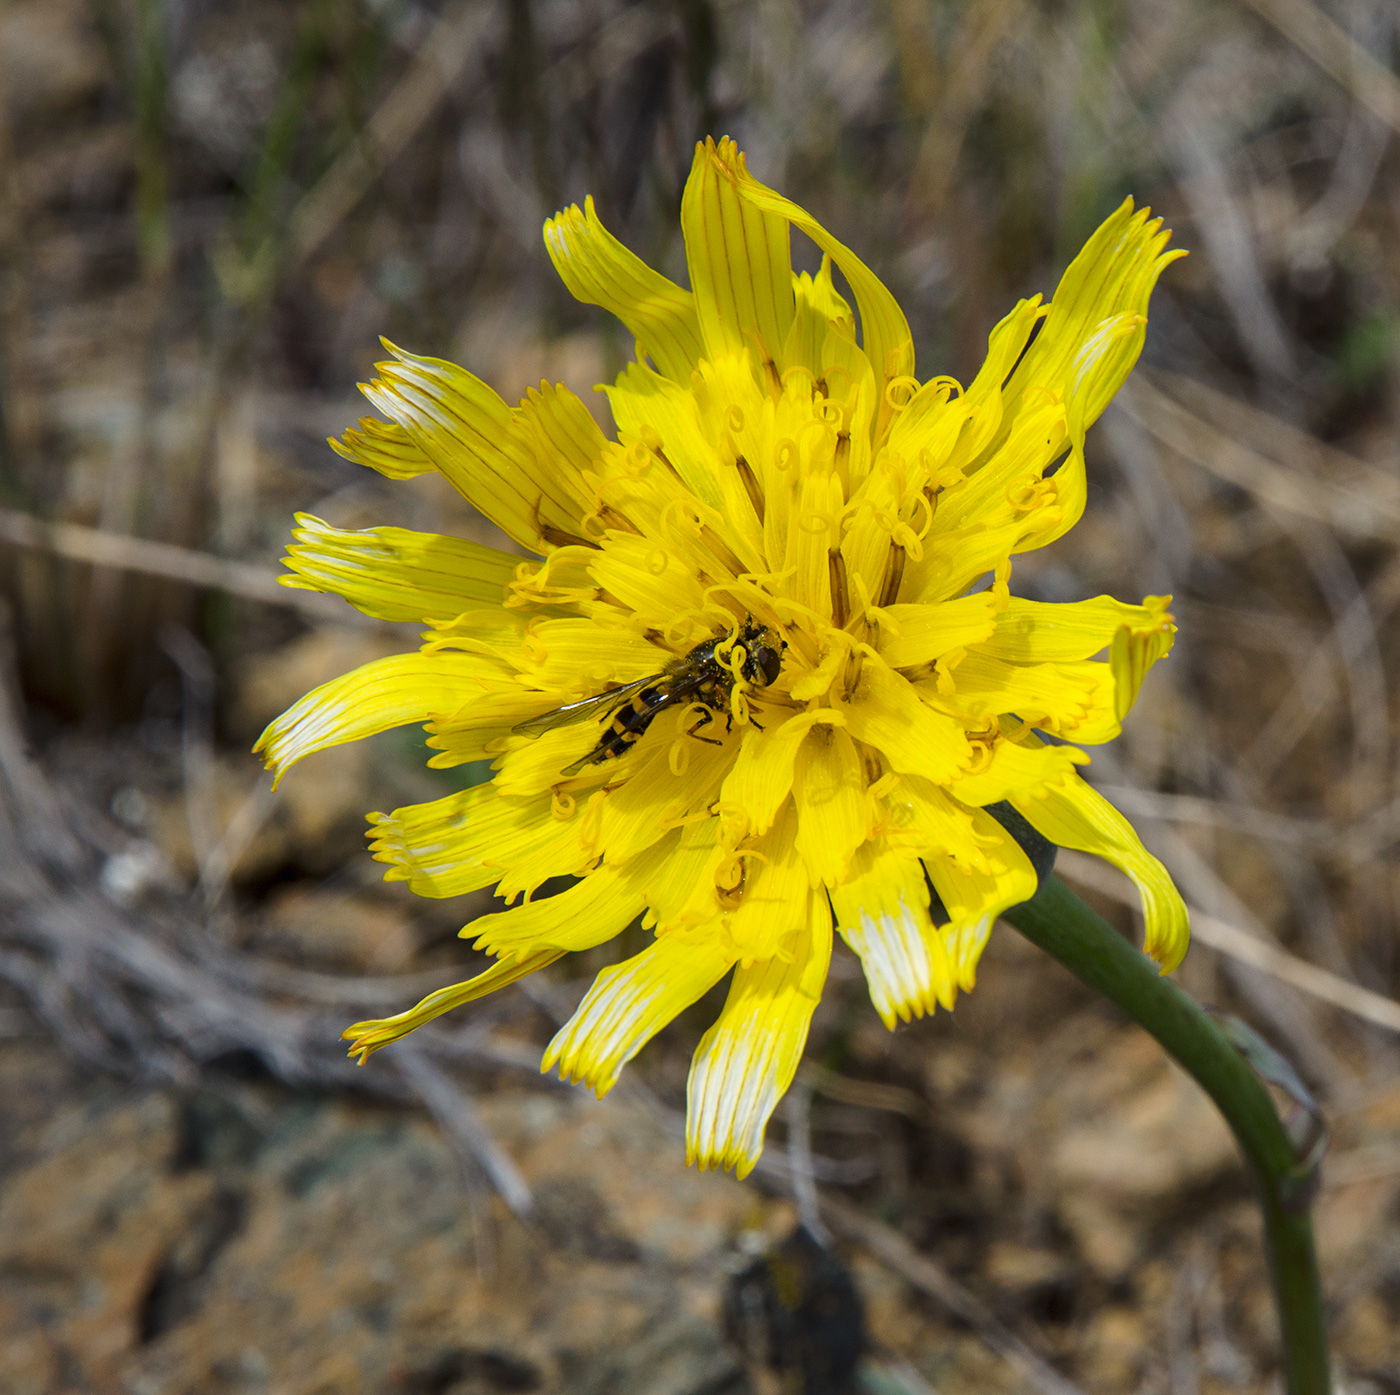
column 483, row 448
column 886, row 712
column 1017, row 767
column 813, row 536
column 367, row 1037
column 881, row 506
column 533, row 765
column 882, row 913
column 468, row 840
column 396, row 574
column 1114, row 693
column 884, row 330
column 1058, row 696
column 739, row 419
column 1134, row 651
column 1041, row 631
column 631, row 815
column 817, row 304
column 738, row 257
column 629, row 1003
column 921, row 819
column 387, row 693
column 948, row 436
column 929, row 425
column 954, row 561
column 680, row 891
column 657, row 582
column 829, row 790
column 975, row 896
column 1082, row 348
column 599, row 270
column 761, row 779
column 586, row 657
column 578, row 918
column 1091, row 336
column 1010, row 484
column 646, row 405
column 747, row 1060
column 496, row 634
column 1103, row 693
column 762, row 891
column 384, row 446
column 849, row 385
column 1073, row 814
column 480, row 729
column 561, row 428
column 1004, row 877
column 919, row 634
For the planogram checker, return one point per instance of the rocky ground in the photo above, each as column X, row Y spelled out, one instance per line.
column 237, row 1235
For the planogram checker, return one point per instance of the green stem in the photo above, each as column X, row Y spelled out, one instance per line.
column 1065, row 928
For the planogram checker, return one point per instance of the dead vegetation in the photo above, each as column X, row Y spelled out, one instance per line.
column 208, row 212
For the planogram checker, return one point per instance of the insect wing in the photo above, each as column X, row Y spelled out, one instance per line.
column 584, row 709
column 668, row 694
column 680, row 689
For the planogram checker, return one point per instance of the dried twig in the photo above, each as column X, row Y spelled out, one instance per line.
column 894, row 1251
column 798, row 1111
column 1248, row 949
column 155, row 996
column 457, row 1117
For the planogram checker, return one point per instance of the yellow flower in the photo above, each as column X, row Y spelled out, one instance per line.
column 782, row 559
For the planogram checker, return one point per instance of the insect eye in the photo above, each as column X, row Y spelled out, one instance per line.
column 766, row 663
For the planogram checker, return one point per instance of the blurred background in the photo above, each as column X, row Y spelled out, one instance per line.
column 209, row 211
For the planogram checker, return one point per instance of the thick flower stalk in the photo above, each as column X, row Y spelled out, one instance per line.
column 793, row 565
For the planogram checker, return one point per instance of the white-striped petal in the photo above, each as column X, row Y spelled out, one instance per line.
column 882, row 914
column 629, row 1003
column 747, row 1060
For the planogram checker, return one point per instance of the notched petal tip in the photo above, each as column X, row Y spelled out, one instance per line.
column 567, row 1057
column 372, row 1035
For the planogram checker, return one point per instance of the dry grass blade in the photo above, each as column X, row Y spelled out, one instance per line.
column 1351, row 997
column 1188, row 808
column 1280, row 440
column 1336, row 53
column 103, row 549
column 1361, row 513
column 868, row 1094
column 440, row 62
column 1210, row 187
column 1248, row 949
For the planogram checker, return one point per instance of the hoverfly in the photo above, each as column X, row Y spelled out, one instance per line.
column 697, row 676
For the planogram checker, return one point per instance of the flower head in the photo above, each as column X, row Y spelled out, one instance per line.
column 757, row 691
